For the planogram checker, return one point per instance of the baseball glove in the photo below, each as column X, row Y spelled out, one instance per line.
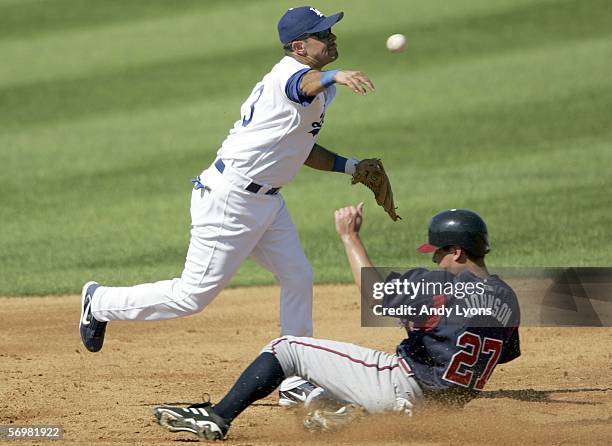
column 372, row 173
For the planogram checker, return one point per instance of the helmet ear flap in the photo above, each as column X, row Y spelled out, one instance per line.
column 485, row 243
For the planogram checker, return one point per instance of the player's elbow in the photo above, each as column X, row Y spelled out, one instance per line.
column 310, row 84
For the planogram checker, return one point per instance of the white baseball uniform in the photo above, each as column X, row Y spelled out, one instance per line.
column 236, row 212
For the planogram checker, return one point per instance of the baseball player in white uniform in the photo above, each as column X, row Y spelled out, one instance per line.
column 236, row 208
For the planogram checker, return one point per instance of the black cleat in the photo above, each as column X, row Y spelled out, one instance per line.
column 199, row 419
column 92, row 330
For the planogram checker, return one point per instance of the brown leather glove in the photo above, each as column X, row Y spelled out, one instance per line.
column 372, row 173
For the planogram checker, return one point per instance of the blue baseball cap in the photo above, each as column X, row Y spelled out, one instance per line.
column 303, row 20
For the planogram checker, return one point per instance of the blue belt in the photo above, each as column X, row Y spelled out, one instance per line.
column 252, row 187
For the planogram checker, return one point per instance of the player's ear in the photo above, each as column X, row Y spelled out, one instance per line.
column 298, row 47
column 459, row 254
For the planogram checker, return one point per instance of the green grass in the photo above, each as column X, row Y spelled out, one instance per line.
column 107, row 109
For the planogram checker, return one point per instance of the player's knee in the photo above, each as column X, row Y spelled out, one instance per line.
column 281, row 349
column 195, row 299
column 276, row 344
column 309, row 274
column 302, row 279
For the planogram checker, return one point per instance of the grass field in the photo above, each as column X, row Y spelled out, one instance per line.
column 107, row 109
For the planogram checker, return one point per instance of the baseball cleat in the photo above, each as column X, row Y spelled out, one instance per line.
column 302, row 394
column 198, row 419
column 92, row 330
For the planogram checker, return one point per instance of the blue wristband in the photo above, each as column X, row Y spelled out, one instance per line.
column 339, row 164
column 327, row 78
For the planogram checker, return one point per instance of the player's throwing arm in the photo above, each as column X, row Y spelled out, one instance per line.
column 316, row 81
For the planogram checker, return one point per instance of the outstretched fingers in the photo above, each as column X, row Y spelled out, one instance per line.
column 357, row 81
column 364, row 82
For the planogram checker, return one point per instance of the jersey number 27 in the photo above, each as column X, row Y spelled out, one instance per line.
column 460, row 369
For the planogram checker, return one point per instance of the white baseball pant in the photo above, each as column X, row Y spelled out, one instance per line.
column 229, row 223
column 372, row 379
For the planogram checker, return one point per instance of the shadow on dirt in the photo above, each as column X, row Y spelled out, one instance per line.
column 544, row 396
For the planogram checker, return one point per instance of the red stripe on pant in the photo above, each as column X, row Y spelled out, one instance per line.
column 405, row 366
column 329, row 350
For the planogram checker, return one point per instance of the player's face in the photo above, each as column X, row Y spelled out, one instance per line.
column 322, row 47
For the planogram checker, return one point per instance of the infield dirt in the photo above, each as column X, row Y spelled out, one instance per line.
column 558, row 392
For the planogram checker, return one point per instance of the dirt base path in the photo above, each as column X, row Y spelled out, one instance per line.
column 559, row 391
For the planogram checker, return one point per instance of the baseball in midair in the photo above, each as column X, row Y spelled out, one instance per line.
column 396, row 43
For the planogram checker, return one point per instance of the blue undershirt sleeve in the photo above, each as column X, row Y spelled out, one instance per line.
column 292, row 88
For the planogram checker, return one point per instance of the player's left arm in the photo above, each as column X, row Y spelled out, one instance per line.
column 348, row 224
column 321, row 158
column 369, row 171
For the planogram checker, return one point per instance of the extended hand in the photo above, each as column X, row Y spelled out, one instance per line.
column 356, row 80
